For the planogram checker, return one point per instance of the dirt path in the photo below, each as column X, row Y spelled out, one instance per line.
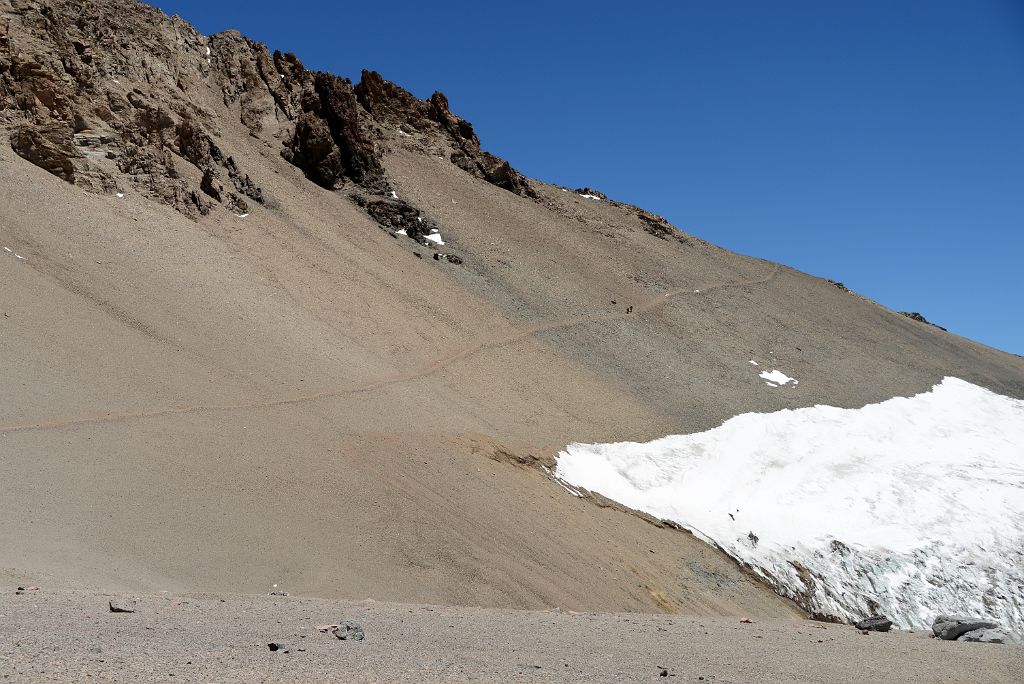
column 424, row 370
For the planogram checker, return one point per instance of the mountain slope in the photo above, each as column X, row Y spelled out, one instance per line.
column 249, row 369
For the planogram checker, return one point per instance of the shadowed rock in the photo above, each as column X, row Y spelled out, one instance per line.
column 950, row 628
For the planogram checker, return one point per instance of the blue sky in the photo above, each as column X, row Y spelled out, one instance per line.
column 874, row 142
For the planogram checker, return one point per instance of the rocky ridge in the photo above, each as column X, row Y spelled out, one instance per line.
column 104, row 104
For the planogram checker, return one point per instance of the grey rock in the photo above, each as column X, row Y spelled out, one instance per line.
column 277, row 646
column 989, row 636
column 350, row 631
column 951, row 627
column 122, row 606
column 875, row 623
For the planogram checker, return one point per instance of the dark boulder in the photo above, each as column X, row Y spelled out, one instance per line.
column 952, row 627
column 989, row 636
column 875, row 623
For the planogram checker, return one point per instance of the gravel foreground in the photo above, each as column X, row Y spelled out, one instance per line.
column 74, row 636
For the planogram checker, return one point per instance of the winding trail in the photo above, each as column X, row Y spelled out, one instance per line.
column 421, row 371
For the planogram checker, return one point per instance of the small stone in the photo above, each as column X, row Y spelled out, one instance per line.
column 122, row 606
column 278, row 593
column 277, row 646
column 349, row 631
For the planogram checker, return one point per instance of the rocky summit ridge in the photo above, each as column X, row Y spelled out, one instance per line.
column 107, row 94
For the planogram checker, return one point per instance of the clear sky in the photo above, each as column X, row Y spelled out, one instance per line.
column 875, row 142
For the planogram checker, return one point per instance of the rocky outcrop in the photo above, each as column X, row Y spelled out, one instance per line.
column 392, row 106
column 397, row 215
column 915, row 316
column 470, row 158
column 50, row 147
column 101, row 93
column 126, row 74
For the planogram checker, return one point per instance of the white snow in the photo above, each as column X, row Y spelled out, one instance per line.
column 401, row 232
column 591, row 197
column 754, row 362
column 8, row 249
column 18, row 256
column 207, row 50
column 394, row 195
column 242, row 215
column 915, row 503
column 119, row 195
column 435, row 236
column 778, row 377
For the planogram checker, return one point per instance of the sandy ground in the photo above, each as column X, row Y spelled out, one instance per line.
column 71, row 636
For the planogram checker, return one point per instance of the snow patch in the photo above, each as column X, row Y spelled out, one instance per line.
column 915, row 504
column 394, row 195
column 778, row 377
column 242, row 215
column 401, row 232
column 435, row 236
column 591, row 197
column 207, row 50
column 754, row 362
column 119, row 195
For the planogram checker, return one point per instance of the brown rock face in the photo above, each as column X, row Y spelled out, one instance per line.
column 151, row 88
column 339, row 108
column 50, row 147
column 391, row 105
